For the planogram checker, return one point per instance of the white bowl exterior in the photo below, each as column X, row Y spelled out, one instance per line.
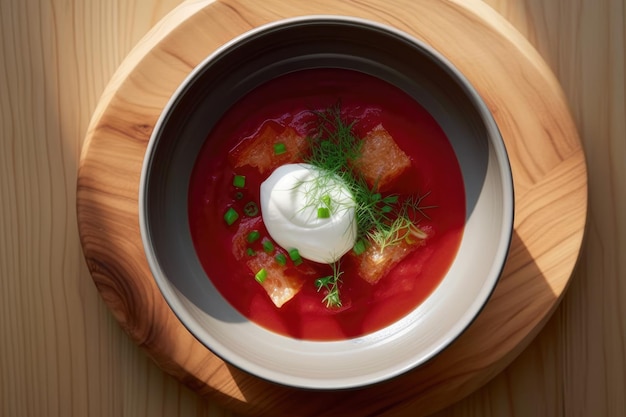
column 410, row 342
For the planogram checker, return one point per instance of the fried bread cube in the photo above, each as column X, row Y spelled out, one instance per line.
column 280, row 282
column 381, row 160
column 272, row 147
column 375, row 262
column 280, row 285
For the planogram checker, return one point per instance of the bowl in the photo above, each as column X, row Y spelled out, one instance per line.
column 326, row 42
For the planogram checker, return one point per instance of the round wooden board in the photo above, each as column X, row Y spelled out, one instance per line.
column 548, row 169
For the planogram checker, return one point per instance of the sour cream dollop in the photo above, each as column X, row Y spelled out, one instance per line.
column 290, row 199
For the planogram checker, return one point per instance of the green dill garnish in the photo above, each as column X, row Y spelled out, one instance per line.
column 403, row 226
column 381, row 220
column 334, row 148
column 330, row 283
column 334, row 145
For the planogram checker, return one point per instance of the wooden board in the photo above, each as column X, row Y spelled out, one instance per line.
column 546, row 157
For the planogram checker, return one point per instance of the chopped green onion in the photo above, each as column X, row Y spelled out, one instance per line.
column 359, row 247
column 253, row 236
column 268, row 246
column 281, row 259
column 326, row 200
column 323, row 213
column 279, row 148
column 231, row 216
column 250, row 252
column 239, row 181
column 239, row 195
column 251, row 209
column 261, row 276
column 294, row 254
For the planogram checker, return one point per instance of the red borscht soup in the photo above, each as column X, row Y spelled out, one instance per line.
column 400, row 170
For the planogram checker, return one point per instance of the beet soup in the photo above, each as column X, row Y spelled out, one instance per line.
column 237, row 252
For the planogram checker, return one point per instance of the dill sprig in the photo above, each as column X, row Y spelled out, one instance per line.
column 383, row 220
column 404, row 226
column 334, row 145
column 330, row 283
column 333, row 149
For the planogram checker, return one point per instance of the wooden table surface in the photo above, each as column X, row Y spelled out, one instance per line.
column 63, row 354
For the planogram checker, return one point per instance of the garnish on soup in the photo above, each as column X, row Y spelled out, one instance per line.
column 328, row 212
column 330, row 203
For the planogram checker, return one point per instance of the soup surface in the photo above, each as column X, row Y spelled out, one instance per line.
column 289, row 107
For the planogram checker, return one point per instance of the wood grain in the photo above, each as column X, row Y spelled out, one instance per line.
column 63, row 354
column 548, row 169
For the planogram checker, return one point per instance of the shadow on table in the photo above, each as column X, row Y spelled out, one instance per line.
column 521, row 303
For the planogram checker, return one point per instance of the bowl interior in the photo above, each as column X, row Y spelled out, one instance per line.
column 326, row 42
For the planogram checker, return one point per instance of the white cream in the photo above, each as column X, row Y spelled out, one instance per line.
column 290, row 198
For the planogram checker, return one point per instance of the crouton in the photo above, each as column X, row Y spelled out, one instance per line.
column 280, row 282
column 280, row 285
column 381, row 160
column 272, row 147
column 376, row 261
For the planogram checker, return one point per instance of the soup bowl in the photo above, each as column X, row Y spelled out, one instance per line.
column 326, row 42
